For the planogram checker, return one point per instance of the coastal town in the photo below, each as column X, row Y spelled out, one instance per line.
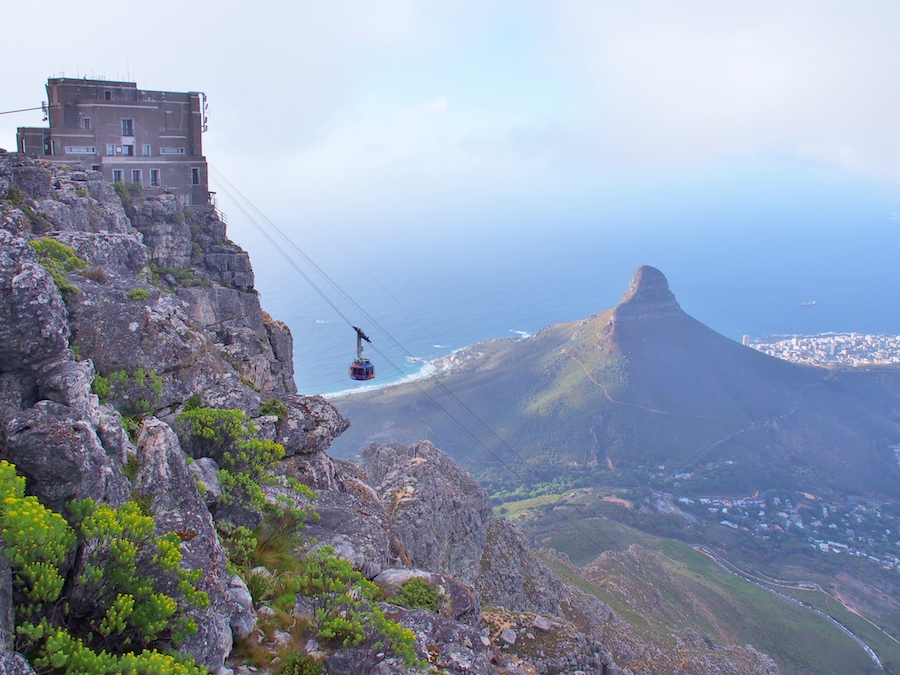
column 832, row 349
column 859, row 528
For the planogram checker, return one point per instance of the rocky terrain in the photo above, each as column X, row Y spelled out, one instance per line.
column 147, row 313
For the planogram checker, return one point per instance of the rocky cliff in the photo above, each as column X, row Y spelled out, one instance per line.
column 163, row 304
column 148, row 310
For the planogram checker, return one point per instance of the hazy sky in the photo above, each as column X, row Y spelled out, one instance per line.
column 402, row 115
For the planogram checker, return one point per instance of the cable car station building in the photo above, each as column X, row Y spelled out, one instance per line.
column 130, row 135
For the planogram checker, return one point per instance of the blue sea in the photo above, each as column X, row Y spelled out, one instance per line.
column 740, row 268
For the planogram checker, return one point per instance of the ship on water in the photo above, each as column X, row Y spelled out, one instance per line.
column 808, row 303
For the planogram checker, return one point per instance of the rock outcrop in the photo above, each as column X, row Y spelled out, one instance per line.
column 435, row 507
column 13, row 663
column 164, row 480
column 648, row 297
column 57, row 449
column 514, row 577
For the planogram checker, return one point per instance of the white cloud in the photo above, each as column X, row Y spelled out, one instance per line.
column 698, row 79
column 440, row 105
column 349, row 104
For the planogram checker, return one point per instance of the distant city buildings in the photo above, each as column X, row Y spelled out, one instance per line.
column 130, row 135
column 839, row 349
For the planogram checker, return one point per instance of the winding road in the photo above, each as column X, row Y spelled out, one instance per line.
column 732, row 569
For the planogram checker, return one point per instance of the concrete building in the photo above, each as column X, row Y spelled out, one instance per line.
column 131, row 135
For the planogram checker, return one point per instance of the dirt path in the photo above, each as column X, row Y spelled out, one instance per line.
column 638, row 405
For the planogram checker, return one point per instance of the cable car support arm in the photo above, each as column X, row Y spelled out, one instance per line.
column 360, row 336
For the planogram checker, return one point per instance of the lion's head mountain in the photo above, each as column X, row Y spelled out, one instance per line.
column 642, row 385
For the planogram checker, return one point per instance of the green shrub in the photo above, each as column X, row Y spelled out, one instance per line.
column 101, row 387
column 229, row 437
column 178, row 217
column 131, row 591
column 184, row 276
column 247, row 382
column 135, row 190
column 133, row 395
column 140, row 294
column 240, row 545
column 298, row 663
column 132, row 427
column 131, row 467
column 346, row 611
column 274, row 407
column 122, row 192
column 417, row 593
column 81, row 192
column 192, row 402
column 55, row 253
column 58, row 259
column 14, row 195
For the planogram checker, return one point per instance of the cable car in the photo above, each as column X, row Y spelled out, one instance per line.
column 361, row 369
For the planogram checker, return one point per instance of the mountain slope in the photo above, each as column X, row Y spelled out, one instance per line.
column 644, row 385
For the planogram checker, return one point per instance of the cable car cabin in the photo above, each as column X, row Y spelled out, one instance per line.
column 362, row 369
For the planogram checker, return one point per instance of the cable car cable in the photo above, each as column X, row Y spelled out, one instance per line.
column 387, row 359
column 358, row 307
column 450, row 394
column 521, row 461
column 344, row 250
column 362, row 310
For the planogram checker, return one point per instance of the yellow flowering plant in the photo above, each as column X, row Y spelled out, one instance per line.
column 98, row 595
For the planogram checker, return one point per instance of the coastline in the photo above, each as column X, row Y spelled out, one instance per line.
column 426, row 370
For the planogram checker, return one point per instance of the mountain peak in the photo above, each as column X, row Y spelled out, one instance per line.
column 648, row 297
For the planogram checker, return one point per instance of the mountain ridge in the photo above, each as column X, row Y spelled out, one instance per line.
column 645, row 384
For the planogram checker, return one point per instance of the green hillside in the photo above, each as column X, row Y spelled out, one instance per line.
column 616, row 395
column 664, row 587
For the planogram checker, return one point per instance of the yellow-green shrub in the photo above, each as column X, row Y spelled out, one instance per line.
column 346, row 610
column 229, row 437
column 106, row 619
column 57, row 259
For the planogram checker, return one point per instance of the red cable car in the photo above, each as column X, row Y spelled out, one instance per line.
column 361, row 369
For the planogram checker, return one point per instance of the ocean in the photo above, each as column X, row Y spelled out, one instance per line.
column 743, row 247
column 433, row 293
